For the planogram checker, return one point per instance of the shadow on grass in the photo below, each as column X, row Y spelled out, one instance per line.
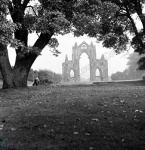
column 77, row 118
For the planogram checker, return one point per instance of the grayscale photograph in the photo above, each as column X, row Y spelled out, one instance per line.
column 72, row 74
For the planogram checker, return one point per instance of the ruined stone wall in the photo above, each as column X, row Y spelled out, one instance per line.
column 90, row 50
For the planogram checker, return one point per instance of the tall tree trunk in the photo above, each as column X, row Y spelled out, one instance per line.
column 22, row 68
column 20, row 76
column 17, row 77
column 13, row 77
column 5, row 67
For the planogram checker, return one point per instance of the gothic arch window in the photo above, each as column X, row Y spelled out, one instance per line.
column 97, row 73
column 84, row 67
column 71, row 73
column 84, row 53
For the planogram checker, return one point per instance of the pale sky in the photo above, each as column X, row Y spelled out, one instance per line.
column 66, row 42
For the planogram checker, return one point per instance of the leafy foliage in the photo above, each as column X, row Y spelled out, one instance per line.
column 132, row 72
column 47, row 18
column 120, row 75
column 43, row 75
column 134, row 69
column 6, row 27
column 115, row 25
column 51, row 76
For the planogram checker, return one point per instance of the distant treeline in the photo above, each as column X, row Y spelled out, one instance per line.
column 43, row 75
column 132, row 72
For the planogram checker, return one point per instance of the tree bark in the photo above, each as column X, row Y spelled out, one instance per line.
column 12, row 77
column 5, row 67
column 17, row 77
column 140, row 14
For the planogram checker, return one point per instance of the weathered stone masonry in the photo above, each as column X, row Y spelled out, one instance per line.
column 90, row 50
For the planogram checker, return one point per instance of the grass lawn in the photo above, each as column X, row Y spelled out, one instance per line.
column 1, row 83
column 73, row 117
column 29, row 83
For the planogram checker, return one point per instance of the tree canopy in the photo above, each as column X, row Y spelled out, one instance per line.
column 6, row 26
column 118, row 26
column 131, row 72
column 46, row 18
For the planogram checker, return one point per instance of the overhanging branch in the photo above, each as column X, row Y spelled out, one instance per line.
column 10, row 7
column 25, row 3
column 43, row 40
column 135, row 29
column 16, row 2
column 140, row 14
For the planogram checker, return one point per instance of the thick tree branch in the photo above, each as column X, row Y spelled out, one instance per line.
column 16, row 2
column 17, row 14
column 25, row 3
column 43, row 40
column 135, row 28
column 10, row 7
column 138, row 9
column 16, row 11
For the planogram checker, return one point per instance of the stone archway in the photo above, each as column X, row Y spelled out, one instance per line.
column 71, row 74
column 90, row 50
column 98, row 74
column 84, row 66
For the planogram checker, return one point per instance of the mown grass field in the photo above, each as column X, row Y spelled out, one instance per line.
column 29, row 83
column 74, row 117
column 1, row 84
